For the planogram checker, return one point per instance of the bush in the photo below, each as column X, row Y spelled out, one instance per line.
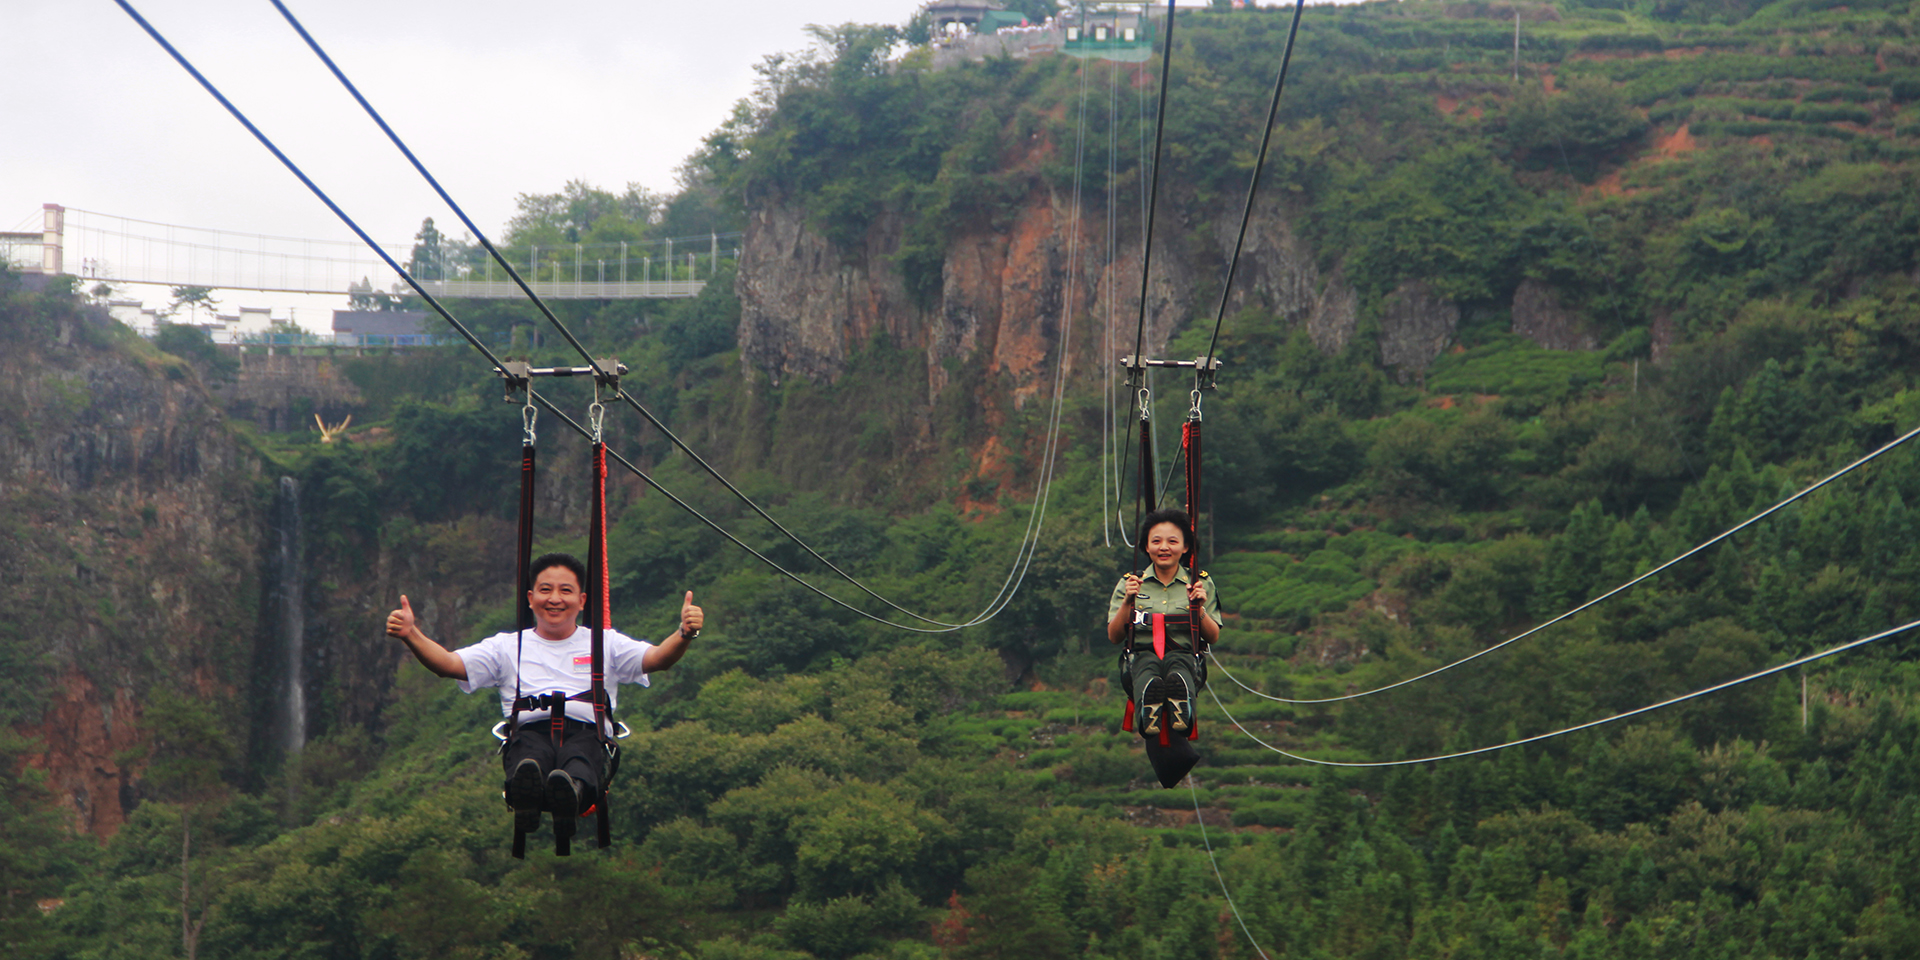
column 195, row 346
column 1831, row 113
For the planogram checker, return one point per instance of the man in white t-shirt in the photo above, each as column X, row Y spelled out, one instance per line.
column 561, row 767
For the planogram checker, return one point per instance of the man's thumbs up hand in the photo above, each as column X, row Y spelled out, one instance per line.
column 400, row 622
column 691, row 617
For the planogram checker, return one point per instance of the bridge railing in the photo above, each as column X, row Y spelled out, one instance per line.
column 567, row 289
column 350, row 340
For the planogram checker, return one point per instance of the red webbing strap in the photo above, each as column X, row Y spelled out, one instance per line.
column 1190, row 441
column 1145, row 497
column 598, row 607
column 523, row 610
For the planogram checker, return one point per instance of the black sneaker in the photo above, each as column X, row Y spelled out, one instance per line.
column 1179, row 707
column 1152, row 698
column 564, row 800
column 524, row 793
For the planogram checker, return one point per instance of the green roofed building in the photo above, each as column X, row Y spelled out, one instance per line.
column 1109, row 31
column 969, row 12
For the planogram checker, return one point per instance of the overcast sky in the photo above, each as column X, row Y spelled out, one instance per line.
column 496, row 98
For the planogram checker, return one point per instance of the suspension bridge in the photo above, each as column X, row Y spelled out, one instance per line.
column 115, row 249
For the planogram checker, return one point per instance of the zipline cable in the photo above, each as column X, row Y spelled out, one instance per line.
column 717, row 528
column 1109, row 483
column 1146, row 244
column 1015, row 574
column 1616, row 591
column 1253, row 185
column 461, row 328
column 1756, row 675
column 1215, row 863
column 294, row 168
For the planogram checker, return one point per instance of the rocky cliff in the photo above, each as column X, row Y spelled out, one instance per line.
column 130, row 557
column 1008, row 291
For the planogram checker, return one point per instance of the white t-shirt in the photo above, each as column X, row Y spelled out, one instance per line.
column 549, row 665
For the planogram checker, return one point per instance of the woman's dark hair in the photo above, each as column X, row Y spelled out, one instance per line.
column 568, row 560
column 1169, row 515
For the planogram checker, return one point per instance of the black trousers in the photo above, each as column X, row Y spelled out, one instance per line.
column 579, row 752
column 1180, row 661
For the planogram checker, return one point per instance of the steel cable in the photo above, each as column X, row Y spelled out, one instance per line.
column 1616, row 591
column 1215, row 863
column 1023, row 556
column 1253, row 185
column 294, row 168
column 1637, row 711
column 468, row 335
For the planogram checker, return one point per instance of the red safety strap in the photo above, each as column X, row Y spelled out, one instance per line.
column 1190, row 443
column 598, row 607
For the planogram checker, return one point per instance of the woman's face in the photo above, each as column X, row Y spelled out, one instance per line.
column 1165, row 544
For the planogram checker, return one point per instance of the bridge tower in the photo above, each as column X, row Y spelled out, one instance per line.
column 53, row 220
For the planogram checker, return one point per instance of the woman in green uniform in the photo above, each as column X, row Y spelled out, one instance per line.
column 1164, row 660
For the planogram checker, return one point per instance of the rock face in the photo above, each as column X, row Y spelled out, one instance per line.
column 1011, row 293
column 1279, row 272
column 283, row 392
column 132, row 522
column 1416, row 323
column 1538, row 316
column 1334, row 315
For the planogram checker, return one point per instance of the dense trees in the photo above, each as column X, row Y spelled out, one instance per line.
column 811, row 785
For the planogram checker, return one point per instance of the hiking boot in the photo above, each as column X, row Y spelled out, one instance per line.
column 563, row 798
column 524, row 793
column 1152, row 698
column 1179, row 707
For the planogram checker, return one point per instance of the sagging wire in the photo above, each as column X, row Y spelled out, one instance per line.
column 1023, row 556
column 1616, row 591
column 462, row 329
column 1215, row 863
column 1637, row 711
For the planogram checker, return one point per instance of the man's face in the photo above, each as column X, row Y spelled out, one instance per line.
column 556, row 600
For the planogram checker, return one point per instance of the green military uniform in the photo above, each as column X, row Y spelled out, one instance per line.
column 1166, row 598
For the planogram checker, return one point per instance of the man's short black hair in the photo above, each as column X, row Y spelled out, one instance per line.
column 567, row 560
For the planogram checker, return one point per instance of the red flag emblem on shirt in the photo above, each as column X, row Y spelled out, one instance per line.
column 584, row 660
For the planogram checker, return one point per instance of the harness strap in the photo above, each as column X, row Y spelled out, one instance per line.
column 598, row 606
column 556, row 700
column 1145, row 496
column 1190, row 442
column 523, row 610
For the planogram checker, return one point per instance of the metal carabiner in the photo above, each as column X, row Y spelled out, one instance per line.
column 1146, row 403
column 529, row 416
column 1194, row 413
column 596, row 418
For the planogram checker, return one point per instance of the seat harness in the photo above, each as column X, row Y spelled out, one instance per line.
column 1162, row 623
column 606, row 374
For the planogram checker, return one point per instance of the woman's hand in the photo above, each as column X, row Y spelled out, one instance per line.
column 1197, row 594
column 1132, row 591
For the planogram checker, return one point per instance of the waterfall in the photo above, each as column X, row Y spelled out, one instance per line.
column 289, row 598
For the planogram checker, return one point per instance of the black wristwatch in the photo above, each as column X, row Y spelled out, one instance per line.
column 684, row 635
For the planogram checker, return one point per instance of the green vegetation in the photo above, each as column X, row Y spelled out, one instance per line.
column 810, row 784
